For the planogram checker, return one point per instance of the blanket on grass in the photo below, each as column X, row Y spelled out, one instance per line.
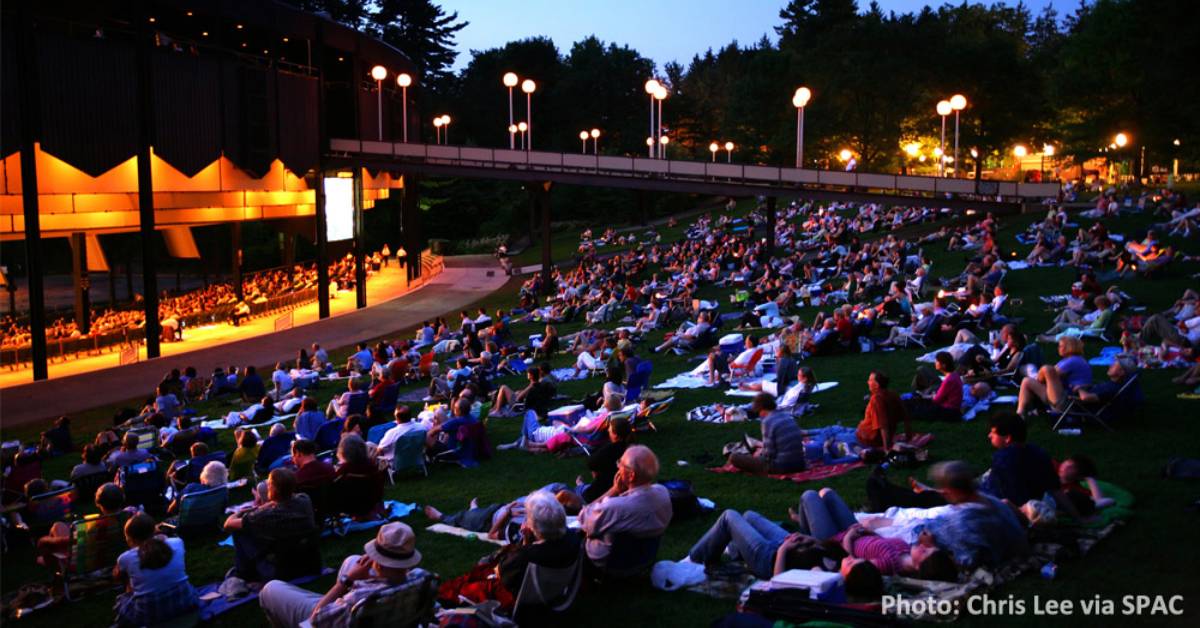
column 213, row 604
column 820, row 387
column 393, row 511
column 818, row 472
column 442, row 528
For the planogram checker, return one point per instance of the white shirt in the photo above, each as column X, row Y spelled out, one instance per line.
column 387, row 444
column 283, row 381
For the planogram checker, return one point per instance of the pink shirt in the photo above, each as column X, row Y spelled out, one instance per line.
column 950, row 393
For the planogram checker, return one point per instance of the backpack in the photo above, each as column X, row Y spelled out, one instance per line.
column 684, row 503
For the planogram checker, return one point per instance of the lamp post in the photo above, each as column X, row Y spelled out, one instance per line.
column 1047, row 151
column 728, row 152
column 1019, row 151
column 663, row 140
column 404, row 80
column 583, row 137
column 713, row 148
column 379, row 73
column 522, row 127
column 595, row 141
column 1119, row 142
column 446, row 125
column 437, row 129
column 958, row 102
column 975, row 162
column 512, row 136
column 799, row 100
column 510, row 81
column 652, row 88
column 660, row 95
column 943, row 109
column 528, row 86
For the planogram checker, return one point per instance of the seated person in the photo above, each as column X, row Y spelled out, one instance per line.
column 946, row 403
column 251, row 386
column 558, row 435
column 1121, row 403
column 602, row 462
column 390, row 560
column 341, row 406
column 288, row 515
column 1020, row 471
column 57, row 440
column 883, row 415
column 385, row 450
column 1092, row 323
column 782, row 448
column 241, row 464
column 1055, row 382
column 92, row 463
column 634, row 506
column 213, row 475
column 128, row 453
column 309, row 419
column 544, row 540
column 686, row 335
column 157, row 587
column 310, row 470
column 355, row 466
column 443, row 436
column 109, row 499
column 282, row 381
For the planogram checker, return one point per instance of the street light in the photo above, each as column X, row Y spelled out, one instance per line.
column 652, row 87
column 943, row 109
column 845, row 154
column 522, row 127
column 528, row 86
column 799, row 101
column 713, row 148
column 1020, row 151
column 446, row 124
column 663, row 140
column 1121, row 140
column 510, row 81
column 404, row 80
column 729, row 152
column 958, row 102
column 437, row 129
column 595, row 141
column 1047, row 151
column 583, row 137
column 379, row 73
column 660, row 95
column 512, row 136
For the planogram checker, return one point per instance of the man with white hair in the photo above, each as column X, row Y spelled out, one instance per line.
column 634, row 506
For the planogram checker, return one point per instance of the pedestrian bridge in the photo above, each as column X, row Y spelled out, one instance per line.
column 673, row 175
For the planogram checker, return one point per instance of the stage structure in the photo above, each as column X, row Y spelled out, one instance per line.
column 161, row 115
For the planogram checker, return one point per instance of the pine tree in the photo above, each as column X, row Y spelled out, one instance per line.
column 421, row 30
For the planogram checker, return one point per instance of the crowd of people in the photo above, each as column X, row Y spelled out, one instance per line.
column 312, row 468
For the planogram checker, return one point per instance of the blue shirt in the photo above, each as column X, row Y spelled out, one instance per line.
column 365, row 359
column 1020, row 473
column 1120, row 406
column 159, row 580
column 252, row 386
column 979, row 533
column 1075, row 372
column 450, row 429
column 308, row 422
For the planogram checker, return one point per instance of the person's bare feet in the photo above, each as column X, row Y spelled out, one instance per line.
column 433, row 514
column 793, row 515
column 474, row 502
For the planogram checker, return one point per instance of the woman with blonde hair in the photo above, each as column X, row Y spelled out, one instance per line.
column 1055, row 383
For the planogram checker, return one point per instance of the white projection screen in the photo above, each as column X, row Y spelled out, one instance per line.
column 339, row 209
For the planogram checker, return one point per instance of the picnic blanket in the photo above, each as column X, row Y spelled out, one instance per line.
column 393, row 511
column 213, row 604
column 813, row 473
column 1053, row 544
column 1107, row 356
column 820, row 387
column 219, row 424
column 569, row 373
column 442, row 528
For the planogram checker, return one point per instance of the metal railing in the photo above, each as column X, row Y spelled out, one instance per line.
column 700, row 170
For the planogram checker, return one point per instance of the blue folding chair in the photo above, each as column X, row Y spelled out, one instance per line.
column 638, row 381
column 328, row 434
column 200, row 513
column 408, row 453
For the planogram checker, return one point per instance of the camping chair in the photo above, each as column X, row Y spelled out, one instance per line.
column 920, row 338
column 96, row 543
column 44, row 510
column 403, row 606
column 144, row 484
column 1079, row 409
column 272, row 450
column 548, row 588
column 200, row 513
column 736, row 371
column 375, row 434
column 638, row 381
column 473, row 446
column 87, row 485
column 387, row 404
column 642, row 423
column 358, row 402
column 631, row 556
column 408, row 453
column 147, row 438
column 185, row 472
column 358, row 495
column 590, row 440
column 328, row 435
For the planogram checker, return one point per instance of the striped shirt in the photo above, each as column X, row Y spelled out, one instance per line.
column 783, row 443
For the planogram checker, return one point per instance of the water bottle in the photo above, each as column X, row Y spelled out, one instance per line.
column 1049, row 570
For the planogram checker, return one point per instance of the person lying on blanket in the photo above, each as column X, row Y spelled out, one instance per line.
column 782, row 448
column 545, row 540
column 558, row 435
column 255, row 414
column 495, row 519
column 978, row 529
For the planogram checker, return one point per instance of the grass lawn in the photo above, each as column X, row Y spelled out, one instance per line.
column 1148, row 556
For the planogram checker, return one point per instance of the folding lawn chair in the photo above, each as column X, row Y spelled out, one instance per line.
column 200, row 513
column 96, row 543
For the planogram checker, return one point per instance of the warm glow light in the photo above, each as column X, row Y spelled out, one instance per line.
column 522, row 127
column 1113, row 146
column 1020, row 151
column 958, row 102
column 1048, row 150
column 921, row 159
column 528, row 86
column 437, row 122
column 974, row 154
column 937, row 152
column 944, row 108
column 660, row 93
column 403, row 80
column 1121, row 139
column 845, row 154
column 1176, row 142
column 583, row 135
column 379, row 73
column 664, row 140
column 649, row 141
column 652, row 86
column 595, row 133
column 510, row 79
column 446, row 118
column 801, row 97
column 714, row 147
column 728, row 145
column 512, row 128
column 913, row 149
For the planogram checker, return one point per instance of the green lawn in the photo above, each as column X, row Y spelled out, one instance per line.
column 1151, row 555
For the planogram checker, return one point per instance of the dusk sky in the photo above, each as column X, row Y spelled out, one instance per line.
column 663, row 30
